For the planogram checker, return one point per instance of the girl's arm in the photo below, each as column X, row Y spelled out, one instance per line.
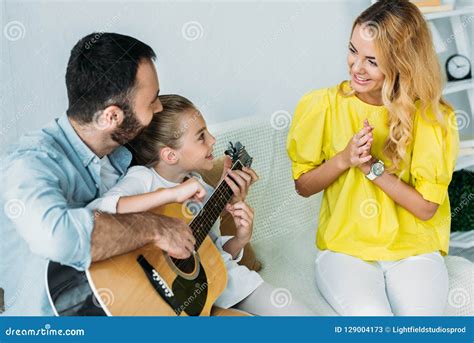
column 323, row 176
column 191, row 188
column 145, row 202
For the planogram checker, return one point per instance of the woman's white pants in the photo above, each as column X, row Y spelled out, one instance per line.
column 414, row 286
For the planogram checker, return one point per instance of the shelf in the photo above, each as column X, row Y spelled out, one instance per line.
column 446, row 14
column 466, row 154
column 457, row 86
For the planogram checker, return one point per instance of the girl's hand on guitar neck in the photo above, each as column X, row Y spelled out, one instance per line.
column 238, row 180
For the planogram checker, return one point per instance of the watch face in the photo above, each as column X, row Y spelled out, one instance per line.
column 378, row 168
column 458, row 67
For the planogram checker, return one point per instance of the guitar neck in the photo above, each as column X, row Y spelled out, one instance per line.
column 201, row 224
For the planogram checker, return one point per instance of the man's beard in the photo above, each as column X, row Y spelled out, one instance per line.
column 128, row 129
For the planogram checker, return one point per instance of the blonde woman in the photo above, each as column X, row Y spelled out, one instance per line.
column 383, row 148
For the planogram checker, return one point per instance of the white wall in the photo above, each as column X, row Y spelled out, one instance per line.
column 251, row 58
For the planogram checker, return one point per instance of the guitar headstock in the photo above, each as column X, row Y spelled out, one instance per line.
column 237, row 152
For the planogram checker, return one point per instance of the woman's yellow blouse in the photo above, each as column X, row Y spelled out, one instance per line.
column 357, row 217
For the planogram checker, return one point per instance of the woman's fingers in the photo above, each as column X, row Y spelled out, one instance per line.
column 364, row 148
column 360, row 145
column 365, row 159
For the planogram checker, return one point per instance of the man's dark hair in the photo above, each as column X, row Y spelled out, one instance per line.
column 101, row 72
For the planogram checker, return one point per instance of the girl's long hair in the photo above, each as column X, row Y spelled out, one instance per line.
column 165, row 130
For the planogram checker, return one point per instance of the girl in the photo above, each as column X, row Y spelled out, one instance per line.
column 383, row 147
column 170, row 151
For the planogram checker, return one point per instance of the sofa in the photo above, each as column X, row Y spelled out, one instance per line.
column 285, row 223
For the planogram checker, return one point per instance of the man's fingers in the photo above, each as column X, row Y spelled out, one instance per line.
column 184, row 249
column 179, row 253
column 189, row 247
column 189, row 236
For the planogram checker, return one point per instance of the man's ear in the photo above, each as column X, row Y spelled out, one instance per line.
column 110, row 118
column 169, row 155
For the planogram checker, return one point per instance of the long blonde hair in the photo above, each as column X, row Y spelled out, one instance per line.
column 408, row 60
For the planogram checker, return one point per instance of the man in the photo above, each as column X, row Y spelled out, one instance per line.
column 50, row 175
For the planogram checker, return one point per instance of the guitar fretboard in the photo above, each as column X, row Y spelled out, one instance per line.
column 203, row 222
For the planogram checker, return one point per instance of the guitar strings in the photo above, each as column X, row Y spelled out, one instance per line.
column 223, row 194
column 207, row 216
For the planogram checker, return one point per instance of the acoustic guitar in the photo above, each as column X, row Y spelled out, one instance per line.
column 147, row 281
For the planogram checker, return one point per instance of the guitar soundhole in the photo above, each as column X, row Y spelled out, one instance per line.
column 187, row 266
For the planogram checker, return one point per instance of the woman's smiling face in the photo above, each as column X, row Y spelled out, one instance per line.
column 366, row 77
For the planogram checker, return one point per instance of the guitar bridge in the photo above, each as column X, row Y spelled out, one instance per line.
column 158, row 283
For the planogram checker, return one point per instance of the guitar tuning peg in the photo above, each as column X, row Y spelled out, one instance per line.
column 238, row 146
column 230, row 150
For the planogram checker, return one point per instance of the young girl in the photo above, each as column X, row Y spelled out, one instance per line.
column 170, row 151
column 383, row 147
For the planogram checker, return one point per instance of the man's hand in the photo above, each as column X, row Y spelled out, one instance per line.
column 116, row 234
column 238, row 180
column 176, row 238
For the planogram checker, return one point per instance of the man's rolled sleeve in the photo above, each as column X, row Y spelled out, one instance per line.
column 106, row 204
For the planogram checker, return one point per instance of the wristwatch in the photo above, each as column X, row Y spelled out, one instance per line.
column 376, row 170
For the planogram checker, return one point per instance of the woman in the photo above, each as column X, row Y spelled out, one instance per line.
column 383, row 147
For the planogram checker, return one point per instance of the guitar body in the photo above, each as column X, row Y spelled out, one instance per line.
column 148, row 282
column 123, row 288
